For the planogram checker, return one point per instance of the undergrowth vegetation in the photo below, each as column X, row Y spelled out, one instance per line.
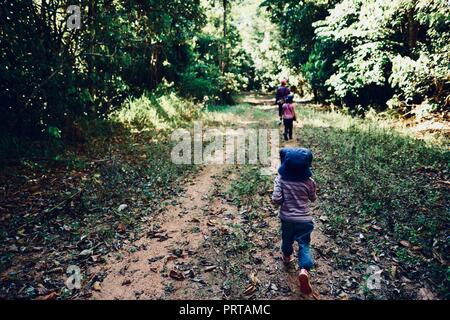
column 162, row 112
column 380, row 188
column 386, row 185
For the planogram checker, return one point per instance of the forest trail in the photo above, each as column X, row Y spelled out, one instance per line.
column 212, row 232
column 182, row 253
column 93, row 207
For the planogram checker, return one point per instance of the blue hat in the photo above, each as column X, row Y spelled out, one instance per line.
column 290, row 98
column 295, row 164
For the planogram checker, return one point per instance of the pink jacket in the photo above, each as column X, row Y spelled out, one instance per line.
column 288, row 111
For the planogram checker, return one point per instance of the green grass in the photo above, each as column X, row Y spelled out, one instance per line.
column 238, row 109
column 155, row 112
column 368, row 173
column 249, row 183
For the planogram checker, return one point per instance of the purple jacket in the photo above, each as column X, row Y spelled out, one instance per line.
column 294, row 197
column 282, row 92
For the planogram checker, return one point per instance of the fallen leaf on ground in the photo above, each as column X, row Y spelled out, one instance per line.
column 163, row 237
column 154, row 259
column 50, row 296
column 126, row 282
column 96, row 286
column 425, row 294
column 255, row 281
column 375, row 227
column 87, row 252
column 190, row 273
column 223, row 230
column 406, row 244
column 171, row 258
column 249, row 290
column 210, row 268
column 176, row 275
column 316, row 295
column 121, row 228
column 343, row 296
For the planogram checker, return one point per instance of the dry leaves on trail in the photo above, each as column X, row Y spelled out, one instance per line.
column 211, row 223
column 249, row 290
column 255, row 281
column 96, row 286
column 425, row 294
column 121, row 228
column 210, row 268
column 50, row 296
column 406, row 244
column 126, row 282
column 161, row 235
column 154, row 259
column 176, row 275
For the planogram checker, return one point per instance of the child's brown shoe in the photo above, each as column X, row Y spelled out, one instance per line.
column 287, row 260
column 303, row 278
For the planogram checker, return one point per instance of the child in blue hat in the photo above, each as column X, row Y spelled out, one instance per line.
column 294, row 190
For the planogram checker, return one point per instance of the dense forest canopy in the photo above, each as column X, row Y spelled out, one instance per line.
column 358, row 54
column 361, row 53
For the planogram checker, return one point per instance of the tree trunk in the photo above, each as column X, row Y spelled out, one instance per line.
column 225, row 6
column 43, row 15
column 413, row 28
column 316, row 95
column 154, row 67
column 90, row 57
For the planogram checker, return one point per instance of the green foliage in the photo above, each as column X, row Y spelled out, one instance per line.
column 219, row 67
column 54, row 75
column 250, row 182
column 361, row 32
column 157, row 112
column 201, row 81
column 319, row 68
column 300, row 49
column 369, row 173
column 261, row 41
column 202, row 78
column 295, row 19
column 378, row 53
column 54, row 132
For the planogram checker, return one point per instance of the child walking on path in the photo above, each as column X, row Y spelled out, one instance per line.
column 280, row 97
column 288, row 117
column 293, row 190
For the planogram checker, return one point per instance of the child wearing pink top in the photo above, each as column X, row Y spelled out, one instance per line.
column 288, row 117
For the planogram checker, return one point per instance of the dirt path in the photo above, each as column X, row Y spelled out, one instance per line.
column 173, row 236
column 191, row 249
